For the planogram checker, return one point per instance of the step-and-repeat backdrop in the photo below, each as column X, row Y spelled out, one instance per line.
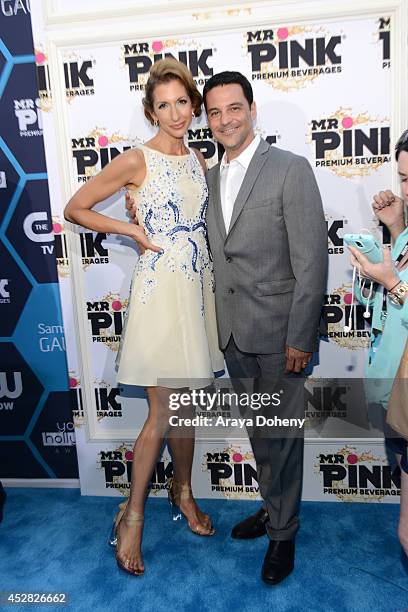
column 322, row 91
column 37, row 437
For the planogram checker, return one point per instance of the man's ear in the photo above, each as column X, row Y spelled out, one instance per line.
column 253, row 110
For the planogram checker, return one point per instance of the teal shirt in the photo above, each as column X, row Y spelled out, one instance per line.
column 387, row 341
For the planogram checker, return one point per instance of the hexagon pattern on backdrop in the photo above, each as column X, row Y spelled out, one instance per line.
column 35, row 403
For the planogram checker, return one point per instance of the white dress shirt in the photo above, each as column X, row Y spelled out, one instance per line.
column 231, row 178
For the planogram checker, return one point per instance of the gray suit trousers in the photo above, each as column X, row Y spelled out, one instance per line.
column 278, row 455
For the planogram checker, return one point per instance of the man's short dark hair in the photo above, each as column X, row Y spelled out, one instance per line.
column 226, row 78
column 402, row 144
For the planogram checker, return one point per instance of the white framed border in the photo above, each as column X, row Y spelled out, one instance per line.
column 65, row 29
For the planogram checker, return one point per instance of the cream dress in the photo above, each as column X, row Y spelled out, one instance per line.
column 170, row 333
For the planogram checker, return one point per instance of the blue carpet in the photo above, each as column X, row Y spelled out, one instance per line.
column 348, row 558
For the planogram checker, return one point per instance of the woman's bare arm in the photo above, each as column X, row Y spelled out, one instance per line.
column 127, row 168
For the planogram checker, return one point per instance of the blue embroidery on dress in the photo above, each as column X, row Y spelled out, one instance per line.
column 177, row 222
column 175, row 210
column 147, row 221
column 178, row 228
column 195, row 255
column 201, row 224
column 155, row 260
column 203, row 208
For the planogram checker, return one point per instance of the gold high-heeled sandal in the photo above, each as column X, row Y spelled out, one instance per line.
column 178, row 492
column 132, row 517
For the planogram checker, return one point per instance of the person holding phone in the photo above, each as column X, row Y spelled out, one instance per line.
column 389, row 302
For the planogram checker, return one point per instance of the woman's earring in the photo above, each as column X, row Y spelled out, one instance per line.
column 193, row 114
column 156, row 123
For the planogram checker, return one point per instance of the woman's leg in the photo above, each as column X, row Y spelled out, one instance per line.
column 145, row 453
column 181, row 442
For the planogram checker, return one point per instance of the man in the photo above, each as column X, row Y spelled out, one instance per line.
column 268, row 240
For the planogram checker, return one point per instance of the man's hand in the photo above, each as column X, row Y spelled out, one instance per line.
column 296, row 360
column 130, row 207
column 138, row 233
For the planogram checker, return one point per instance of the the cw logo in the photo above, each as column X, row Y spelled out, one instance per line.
column 3, row 291
column 4, row 388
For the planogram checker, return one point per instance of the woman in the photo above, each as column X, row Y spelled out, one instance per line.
column 390, row 312
column 170, row 333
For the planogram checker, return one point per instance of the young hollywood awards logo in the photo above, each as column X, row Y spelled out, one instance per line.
column 117, row 469
column 232, row 472
column 138, row 58
column 382, row 36
column 335, row 228
column 64, row 436
column 28, row 115
column 290, row 58
column 336, row 314
column 357, row 476
column 106, row 319
column 350, row 144
column 93, row 152
column 75, row 392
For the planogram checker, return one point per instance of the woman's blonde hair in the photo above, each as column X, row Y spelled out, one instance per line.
column 164, row 71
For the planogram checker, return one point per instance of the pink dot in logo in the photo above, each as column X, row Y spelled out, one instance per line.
column 347, row 122
column 347, row 298
column 103, row 141
column 57, row 228
column 157, row 46
column 73, row 382
column 40, row 58
column 116, row 305
column 129, row 455
column 237, row 457
column 352, row 459
column 283, row 33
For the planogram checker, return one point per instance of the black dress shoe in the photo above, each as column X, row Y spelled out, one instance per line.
column 252, row 527
column 279, row 561
column 3, row 496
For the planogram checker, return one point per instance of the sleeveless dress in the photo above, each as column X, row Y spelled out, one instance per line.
column 170, row 336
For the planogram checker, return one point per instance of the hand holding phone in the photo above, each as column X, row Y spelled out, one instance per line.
column 366, row 244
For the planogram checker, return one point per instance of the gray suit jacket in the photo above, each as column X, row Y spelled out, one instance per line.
column 270, row 270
